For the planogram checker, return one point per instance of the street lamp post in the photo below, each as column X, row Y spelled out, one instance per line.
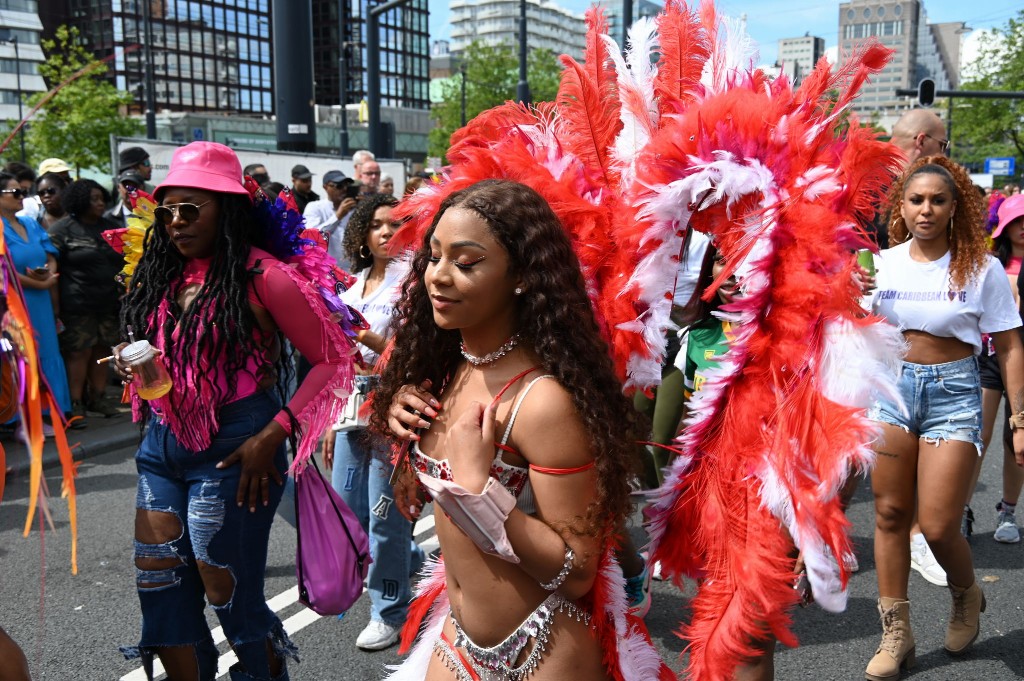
column 627, row 20
column 373, row 72
column 523, row 87
column 462, row 70
column 343, row 76
column 147, row 31
column 21, row 117
column 9, row 38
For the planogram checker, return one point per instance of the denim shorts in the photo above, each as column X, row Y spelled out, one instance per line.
column 943, row 402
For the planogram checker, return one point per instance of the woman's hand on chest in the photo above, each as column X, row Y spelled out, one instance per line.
column 469, row 444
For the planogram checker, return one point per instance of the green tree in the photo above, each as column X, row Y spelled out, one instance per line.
column 993, row 127
column 76, row 123
column 492, row 73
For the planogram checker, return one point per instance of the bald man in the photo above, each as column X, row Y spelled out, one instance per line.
column 919, row 132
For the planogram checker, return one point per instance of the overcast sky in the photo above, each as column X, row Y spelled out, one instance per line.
column 770, row 20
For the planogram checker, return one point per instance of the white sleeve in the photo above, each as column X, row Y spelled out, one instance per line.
column 998, row 310
column 684, row 338
column 316, row 217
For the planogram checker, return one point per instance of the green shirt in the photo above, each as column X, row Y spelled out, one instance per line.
column 706, row 344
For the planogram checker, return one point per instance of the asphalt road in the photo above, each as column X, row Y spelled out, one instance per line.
column 74, row 631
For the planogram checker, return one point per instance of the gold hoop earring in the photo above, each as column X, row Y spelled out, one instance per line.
column 367, row 255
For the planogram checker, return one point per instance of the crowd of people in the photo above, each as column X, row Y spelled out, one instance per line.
column 499, row 387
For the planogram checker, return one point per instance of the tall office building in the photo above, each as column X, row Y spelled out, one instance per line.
column 495, row 22
column 207, row 56
column 20, row 55
column 922, row 50
column 938, row 53
column 797, row 56
column 404, row 57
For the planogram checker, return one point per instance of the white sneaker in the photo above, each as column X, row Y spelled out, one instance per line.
column 922, row 560
column 1007, row 531
column 377, row 636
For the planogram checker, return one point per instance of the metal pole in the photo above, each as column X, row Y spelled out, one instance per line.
column 17, row 73
column 627, row 20
column 343, row 75
column 523, row 87
column 147, row 28
column 462, row 68
column 949, row 118
column 373, row 73
column 969, row 94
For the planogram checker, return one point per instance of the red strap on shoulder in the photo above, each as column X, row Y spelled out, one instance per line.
column 563, row 471
column 513, row 380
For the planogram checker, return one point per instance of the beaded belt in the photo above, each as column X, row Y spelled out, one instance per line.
column 496, row 663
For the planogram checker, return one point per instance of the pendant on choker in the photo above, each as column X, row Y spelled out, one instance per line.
column 490, row 357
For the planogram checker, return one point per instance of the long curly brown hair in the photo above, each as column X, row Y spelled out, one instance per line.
column 554, row 318
column 967, row 248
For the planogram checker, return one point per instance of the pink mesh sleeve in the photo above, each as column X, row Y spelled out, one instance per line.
column 300, row 313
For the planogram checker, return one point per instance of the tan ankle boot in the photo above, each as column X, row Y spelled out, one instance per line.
column 965, row 617
column 896, row 651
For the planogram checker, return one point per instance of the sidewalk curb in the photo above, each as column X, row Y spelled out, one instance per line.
column 85, row 450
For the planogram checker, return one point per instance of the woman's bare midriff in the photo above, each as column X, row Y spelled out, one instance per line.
column 490, row 598
column 928, row 349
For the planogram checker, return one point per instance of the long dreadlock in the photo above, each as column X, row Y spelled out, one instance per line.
column 221, row 303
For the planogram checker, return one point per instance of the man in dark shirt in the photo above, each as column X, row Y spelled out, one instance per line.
column 302, row 187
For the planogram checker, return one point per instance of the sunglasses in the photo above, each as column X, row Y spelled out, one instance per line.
column 49, row 191
column 18, row 193
column 189, row 212
column 943, row 144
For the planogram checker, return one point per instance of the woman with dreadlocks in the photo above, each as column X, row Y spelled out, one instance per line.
column 209, row 295
column 944, row 290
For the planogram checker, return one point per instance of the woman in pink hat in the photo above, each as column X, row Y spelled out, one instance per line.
column 1008, row 241
column 214, row 301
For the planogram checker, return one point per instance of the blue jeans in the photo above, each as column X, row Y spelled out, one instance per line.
column 361, row 478
column 943, row 402
column 215, row 531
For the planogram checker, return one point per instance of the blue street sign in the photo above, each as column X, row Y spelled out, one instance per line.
column 1001, row 166
column 197, row 134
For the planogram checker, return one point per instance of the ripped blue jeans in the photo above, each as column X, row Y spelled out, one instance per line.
column 943, row 402
column 215, row 532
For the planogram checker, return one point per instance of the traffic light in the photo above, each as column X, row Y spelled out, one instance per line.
column 926, row 92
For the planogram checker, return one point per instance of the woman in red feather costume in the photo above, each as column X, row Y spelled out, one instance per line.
column 496, row 313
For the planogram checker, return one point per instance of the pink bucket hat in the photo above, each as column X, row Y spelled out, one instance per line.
column 1012, row 208
column 204, row 165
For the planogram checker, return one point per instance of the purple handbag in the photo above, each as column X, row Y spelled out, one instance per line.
column 332, row 553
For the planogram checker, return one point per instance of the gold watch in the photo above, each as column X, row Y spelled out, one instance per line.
column 1017, row 421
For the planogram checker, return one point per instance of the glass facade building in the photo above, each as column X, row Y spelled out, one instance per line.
column 19, row 68
column 404, row 53
column 207, row 56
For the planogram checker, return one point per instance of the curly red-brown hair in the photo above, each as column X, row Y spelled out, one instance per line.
column 967, row 248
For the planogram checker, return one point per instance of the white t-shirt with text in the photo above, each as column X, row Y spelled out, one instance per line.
column 917, row 296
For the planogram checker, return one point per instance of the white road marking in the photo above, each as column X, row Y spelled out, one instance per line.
column 296, row 622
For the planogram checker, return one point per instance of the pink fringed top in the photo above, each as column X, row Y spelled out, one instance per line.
column 300, row 313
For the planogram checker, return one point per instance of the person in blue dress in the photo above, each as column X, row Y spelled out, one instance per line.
column 35, row 260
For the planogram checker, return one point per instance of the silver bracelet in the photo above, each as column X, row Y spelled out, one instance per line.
column 566, row 569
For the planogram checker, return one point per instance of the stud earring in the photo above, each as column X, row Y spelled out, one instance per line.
column 519, row 291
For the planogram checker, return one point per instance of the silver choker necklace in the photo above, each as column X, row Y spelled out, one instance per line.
column 490, row 357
